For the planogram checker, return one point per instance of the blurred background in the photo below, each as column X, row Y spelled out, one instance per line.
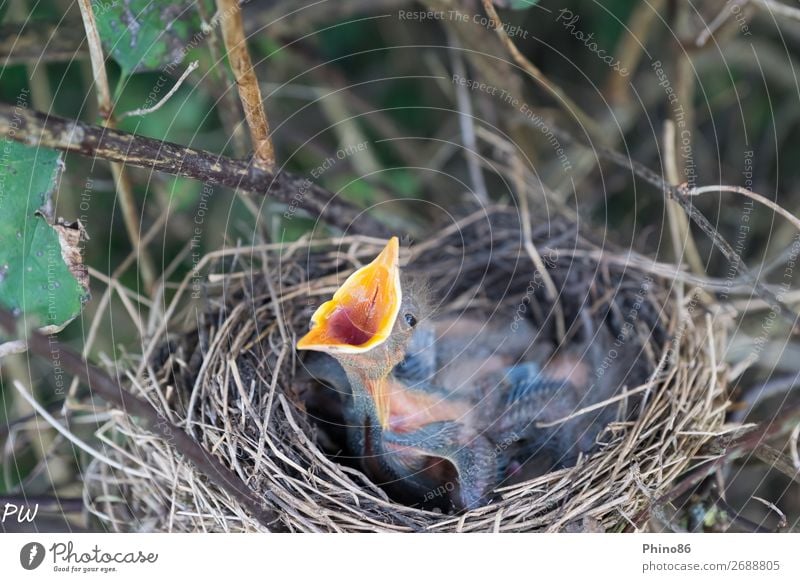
column 395, row 106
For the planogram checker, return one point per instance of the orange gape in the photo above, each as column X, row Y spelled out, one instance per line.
column 362, row 312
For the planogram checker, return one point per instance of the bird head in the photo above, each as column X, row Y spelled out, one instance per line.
column 368, row 323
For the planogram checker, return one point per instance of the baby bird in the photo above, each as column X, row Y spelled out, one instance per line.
column 451, row 405
column 404, row 427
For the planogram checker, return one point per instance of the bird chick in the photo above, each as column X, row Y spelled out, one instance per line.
column 459, row 404
column 407, row 431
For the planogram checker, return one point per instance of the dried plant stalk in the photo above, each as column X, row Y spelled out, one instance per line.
column 249, row 91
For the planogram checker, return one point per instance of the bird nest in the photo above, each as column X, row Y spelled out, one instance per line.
column 221, row 364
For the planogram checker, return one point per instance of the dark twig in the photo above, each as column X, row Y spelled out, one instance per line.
column 38, row 129
column 40, row 42
column 682, row 195
column 735, row 515
column 112, row 392
column 757, row 394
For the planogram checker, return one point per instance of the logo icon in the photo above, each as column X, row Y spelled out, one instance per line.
column 31, row 555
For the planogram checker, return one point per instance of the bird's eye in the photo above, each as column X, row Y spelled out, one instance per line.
column 410, row 320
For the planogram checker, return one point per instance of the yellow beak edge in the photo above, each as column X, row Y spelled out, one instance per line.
column 363, row 310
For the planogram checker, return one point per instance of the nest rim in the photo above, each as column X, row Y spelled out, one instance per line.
column 275, row 450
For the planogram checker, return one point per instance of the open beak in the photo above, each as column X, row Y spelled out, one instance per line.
column 362, row 313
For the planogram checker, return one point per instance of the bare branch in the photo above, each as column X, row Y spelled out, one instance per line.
column 683, row 244
column 96, row 56
column 39, row 42
column 744, row 445
column 38, row 129
column 227, row 106
column 466, row 122
column 680, row 193
column 748, row 194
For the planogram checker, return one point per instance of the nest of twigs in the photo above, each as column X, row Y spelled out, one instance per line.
column 221, row 365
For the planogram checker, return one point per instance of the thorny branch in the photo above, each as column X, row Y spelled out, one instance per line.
column 111, row 391
column 38, row 129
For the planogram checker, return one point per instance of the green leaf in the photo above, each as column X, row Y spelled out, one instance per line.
column 41, row 272
column 146, row 35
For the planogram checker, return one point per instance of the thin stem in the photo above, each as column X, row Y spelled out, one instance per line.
column 683, row 245
column 591, row 127
column 630, row 49
column 67, row 434
column 148, row 110
column 227, row 106
column 97, row 58
column 682, row 114
column 124, row 187
column 749, row 194
column 249, row 91
column 466, row 122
